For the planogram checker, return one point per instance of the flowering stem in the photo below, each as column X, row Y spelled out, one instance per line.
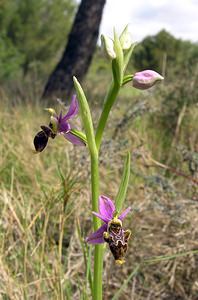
column 109, row 101
column 88, row 125
column 98, row 267
column 98, row 252
column 95, row 188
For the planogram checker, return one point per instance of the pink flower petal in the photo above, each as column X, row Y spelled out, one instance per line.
column 106, row 207
column 102, row 217
column 97, row 236
column 124, row 213
column 64, row 127
column 75, row 140
column 73, row 109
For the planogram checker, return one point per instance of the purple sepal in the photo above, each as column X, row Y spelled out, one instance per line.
column 106, row 207
column 73, row 109
column 64, row 127
column 102, row 217
column 97, row 236
column 124, row 213
column 75, row 140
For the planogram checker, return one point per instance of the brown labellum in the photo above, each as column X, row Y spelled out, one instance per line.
column 117, row 238
column 41, row 138
column 40, row 141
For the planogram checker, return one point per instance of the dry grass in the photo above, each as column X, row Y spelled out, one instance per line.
column 43, row 198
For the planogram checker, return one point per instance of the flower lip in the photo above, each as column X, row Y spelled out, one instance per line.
column 40, row 141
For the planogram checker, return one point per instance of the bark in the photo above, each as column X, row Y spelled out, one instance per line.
column 78, row 51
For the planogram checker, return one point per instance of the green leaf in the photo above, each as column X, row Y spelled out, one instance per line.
column 86, row 118
column 121, row 195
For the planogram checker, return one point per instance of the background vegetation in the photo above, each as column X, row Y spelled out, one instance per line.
column 45, row 200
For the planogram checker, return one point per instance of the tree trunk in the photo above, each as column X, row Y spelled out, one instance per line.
column 79, row 50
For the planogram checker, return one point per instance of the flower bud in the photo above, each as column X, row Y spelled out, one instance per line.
column 126, row 39
column 145, row 79
column 108, row 46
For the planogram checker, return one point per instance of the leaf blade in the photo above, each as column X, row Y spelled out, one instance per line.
column 123, row 184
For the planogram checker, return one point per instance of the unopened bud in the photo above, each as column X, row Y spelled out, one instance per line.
column 145, row 79
column 108, row 46
column 126, row 39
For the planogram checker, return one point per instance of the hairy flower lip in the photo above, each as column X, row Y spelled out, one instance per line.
column 106, row 214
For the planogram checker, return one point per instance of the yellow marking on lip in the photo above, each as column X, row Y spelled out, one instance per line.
column 120, row 261
column 106, row 235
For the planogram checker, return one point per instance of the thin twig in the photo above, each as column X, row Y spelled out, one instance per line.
column 148, row 160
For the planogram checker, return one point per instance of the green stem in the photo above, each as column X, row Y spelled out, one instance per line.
column 95, row 188
column 89, row 130
column 109, row 101
column 98, row 267
column 98, row 252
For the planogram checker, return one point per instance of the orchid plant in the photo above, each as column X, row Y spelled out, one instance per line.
column 119, row 51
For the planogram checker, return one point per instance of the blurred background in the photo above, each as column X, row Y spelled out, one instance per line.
column 44, row 198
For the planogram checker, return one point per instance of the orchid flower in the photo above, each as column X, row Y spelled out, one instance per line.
column 111, row 231
column 59, row 124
